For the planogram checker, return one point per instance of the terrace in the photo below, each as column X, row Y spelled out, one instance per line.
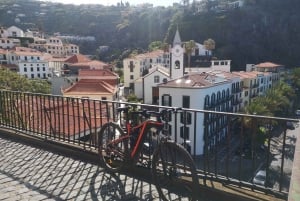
column 228, row 148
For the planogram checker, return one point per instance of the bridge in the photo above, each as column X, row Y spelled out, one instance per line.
column 42, row 158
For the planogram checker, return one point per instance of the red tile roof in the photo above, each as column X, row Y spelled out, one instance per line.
column 91, row 64
column 63, row 118
column 93, row 73
column 91, row 86
column 198, row 80
column 77, row 58
column 2, row 51
column 268, row 65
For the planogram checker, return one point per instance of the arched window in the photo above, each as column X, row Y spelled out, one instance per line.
column 177, row 64
column 206, row 102
column 218, row 96
column 213, row 98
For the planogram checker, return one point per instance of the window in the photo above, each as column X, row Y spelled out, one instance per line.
column 31, row 69
column 32, row 75
column 166, row 100
column 185, row 132
column 186, row 118
column 25, row 69
column 103, row 98
column 177, row 64
column 186, row 101
column 131, row 66
column 156, row 79
column 38, row 69
column 206, row 102
column 44, row 69
column 167, row 129
column 213, row 98
column 246, row 93
column 131, row 77
column 218, row 96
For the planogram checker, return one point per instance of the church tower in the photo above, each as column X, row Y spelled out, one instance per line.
column 177, row 55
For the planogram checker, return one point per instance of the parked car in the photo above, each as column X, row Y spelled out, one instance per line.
column 260, row 178
column 290, row 125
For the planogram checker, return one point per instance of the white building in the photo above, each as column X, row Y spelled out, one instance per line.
column 137, row 66
column 200, row 50
column 8, row 43
column 30, row 62
column 214, row 65
column 254, row 84
column 14, row 31
column 146, row 87
column 71, row 49
column 3, row 56
column 198, row 91
column 3, row 32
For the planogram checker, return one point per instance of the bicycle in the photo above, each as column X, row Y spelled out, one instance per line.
column 173, row 169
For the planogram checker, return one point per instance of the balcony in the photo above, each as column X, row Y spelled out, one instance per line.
column 226, row 169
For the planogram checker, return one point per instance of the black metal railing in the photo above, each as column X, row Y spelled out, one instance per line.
column 226, row 147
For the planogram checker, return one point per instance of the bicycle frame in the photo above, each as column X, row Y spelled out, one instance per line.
column 144, row 127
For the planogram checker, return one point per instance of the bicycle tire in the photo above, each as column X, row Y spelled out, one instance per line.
column 174, row 172
column 113, row 155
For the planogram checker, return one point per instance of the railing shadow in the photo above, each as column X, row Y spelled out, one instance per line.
column 59, row 177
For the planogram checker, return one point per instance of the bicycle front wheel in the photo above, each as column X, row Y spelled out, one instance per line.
column 174, row 173
column 113, row 146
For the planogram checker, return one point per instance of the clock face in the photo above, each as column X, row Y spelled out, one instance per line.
column 178, row 51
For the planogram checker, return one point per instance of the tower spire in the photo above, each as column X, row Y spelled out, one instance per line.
column 177, row 39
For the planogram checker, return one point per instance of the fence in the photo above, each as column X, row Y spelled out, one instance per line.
column 227, row 147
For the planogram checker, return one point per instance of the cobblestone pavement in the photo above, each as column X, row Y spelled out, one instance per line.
column 31, row 173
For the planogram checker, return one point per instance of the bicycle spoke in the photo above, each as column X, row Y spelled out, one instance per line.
column 174, row 173
column 112, row 147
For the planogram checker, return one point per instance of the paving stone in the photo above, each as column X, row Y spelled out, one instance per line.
column 30, row 173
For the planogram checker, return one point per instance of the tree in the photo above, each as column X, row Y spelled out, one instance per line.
column 12, row 81
column 155, row 45
column 189, row 47
column 209, row 44
column 296, row 78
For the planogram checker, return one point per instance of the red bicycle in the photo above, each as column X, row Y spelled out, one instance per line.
column 173, row 169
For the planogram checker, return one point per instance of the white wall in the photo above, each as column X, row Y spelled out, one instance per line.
column 149, row 84
column 14, row 31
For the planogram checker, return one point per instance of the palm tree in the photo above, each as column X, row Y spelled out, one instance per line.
column 209, row 44
column 256, row 107
column 189, row 47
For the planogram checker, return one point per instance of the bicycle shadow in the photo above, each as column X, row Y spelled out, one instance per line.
column 120, row 186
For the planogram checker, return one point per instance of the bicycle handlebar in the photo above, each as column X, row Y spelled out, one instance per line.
column 147, row 114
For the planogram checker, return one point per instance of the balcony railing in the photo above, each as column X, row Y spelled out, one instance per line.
column 230, row 153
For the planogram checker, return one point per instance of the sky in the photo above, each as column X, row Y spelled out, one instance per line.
column 114, row 2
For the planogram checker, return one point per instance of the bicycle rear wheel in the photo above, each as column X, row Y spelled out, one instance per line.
column 174, row 173
column 113, row 146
